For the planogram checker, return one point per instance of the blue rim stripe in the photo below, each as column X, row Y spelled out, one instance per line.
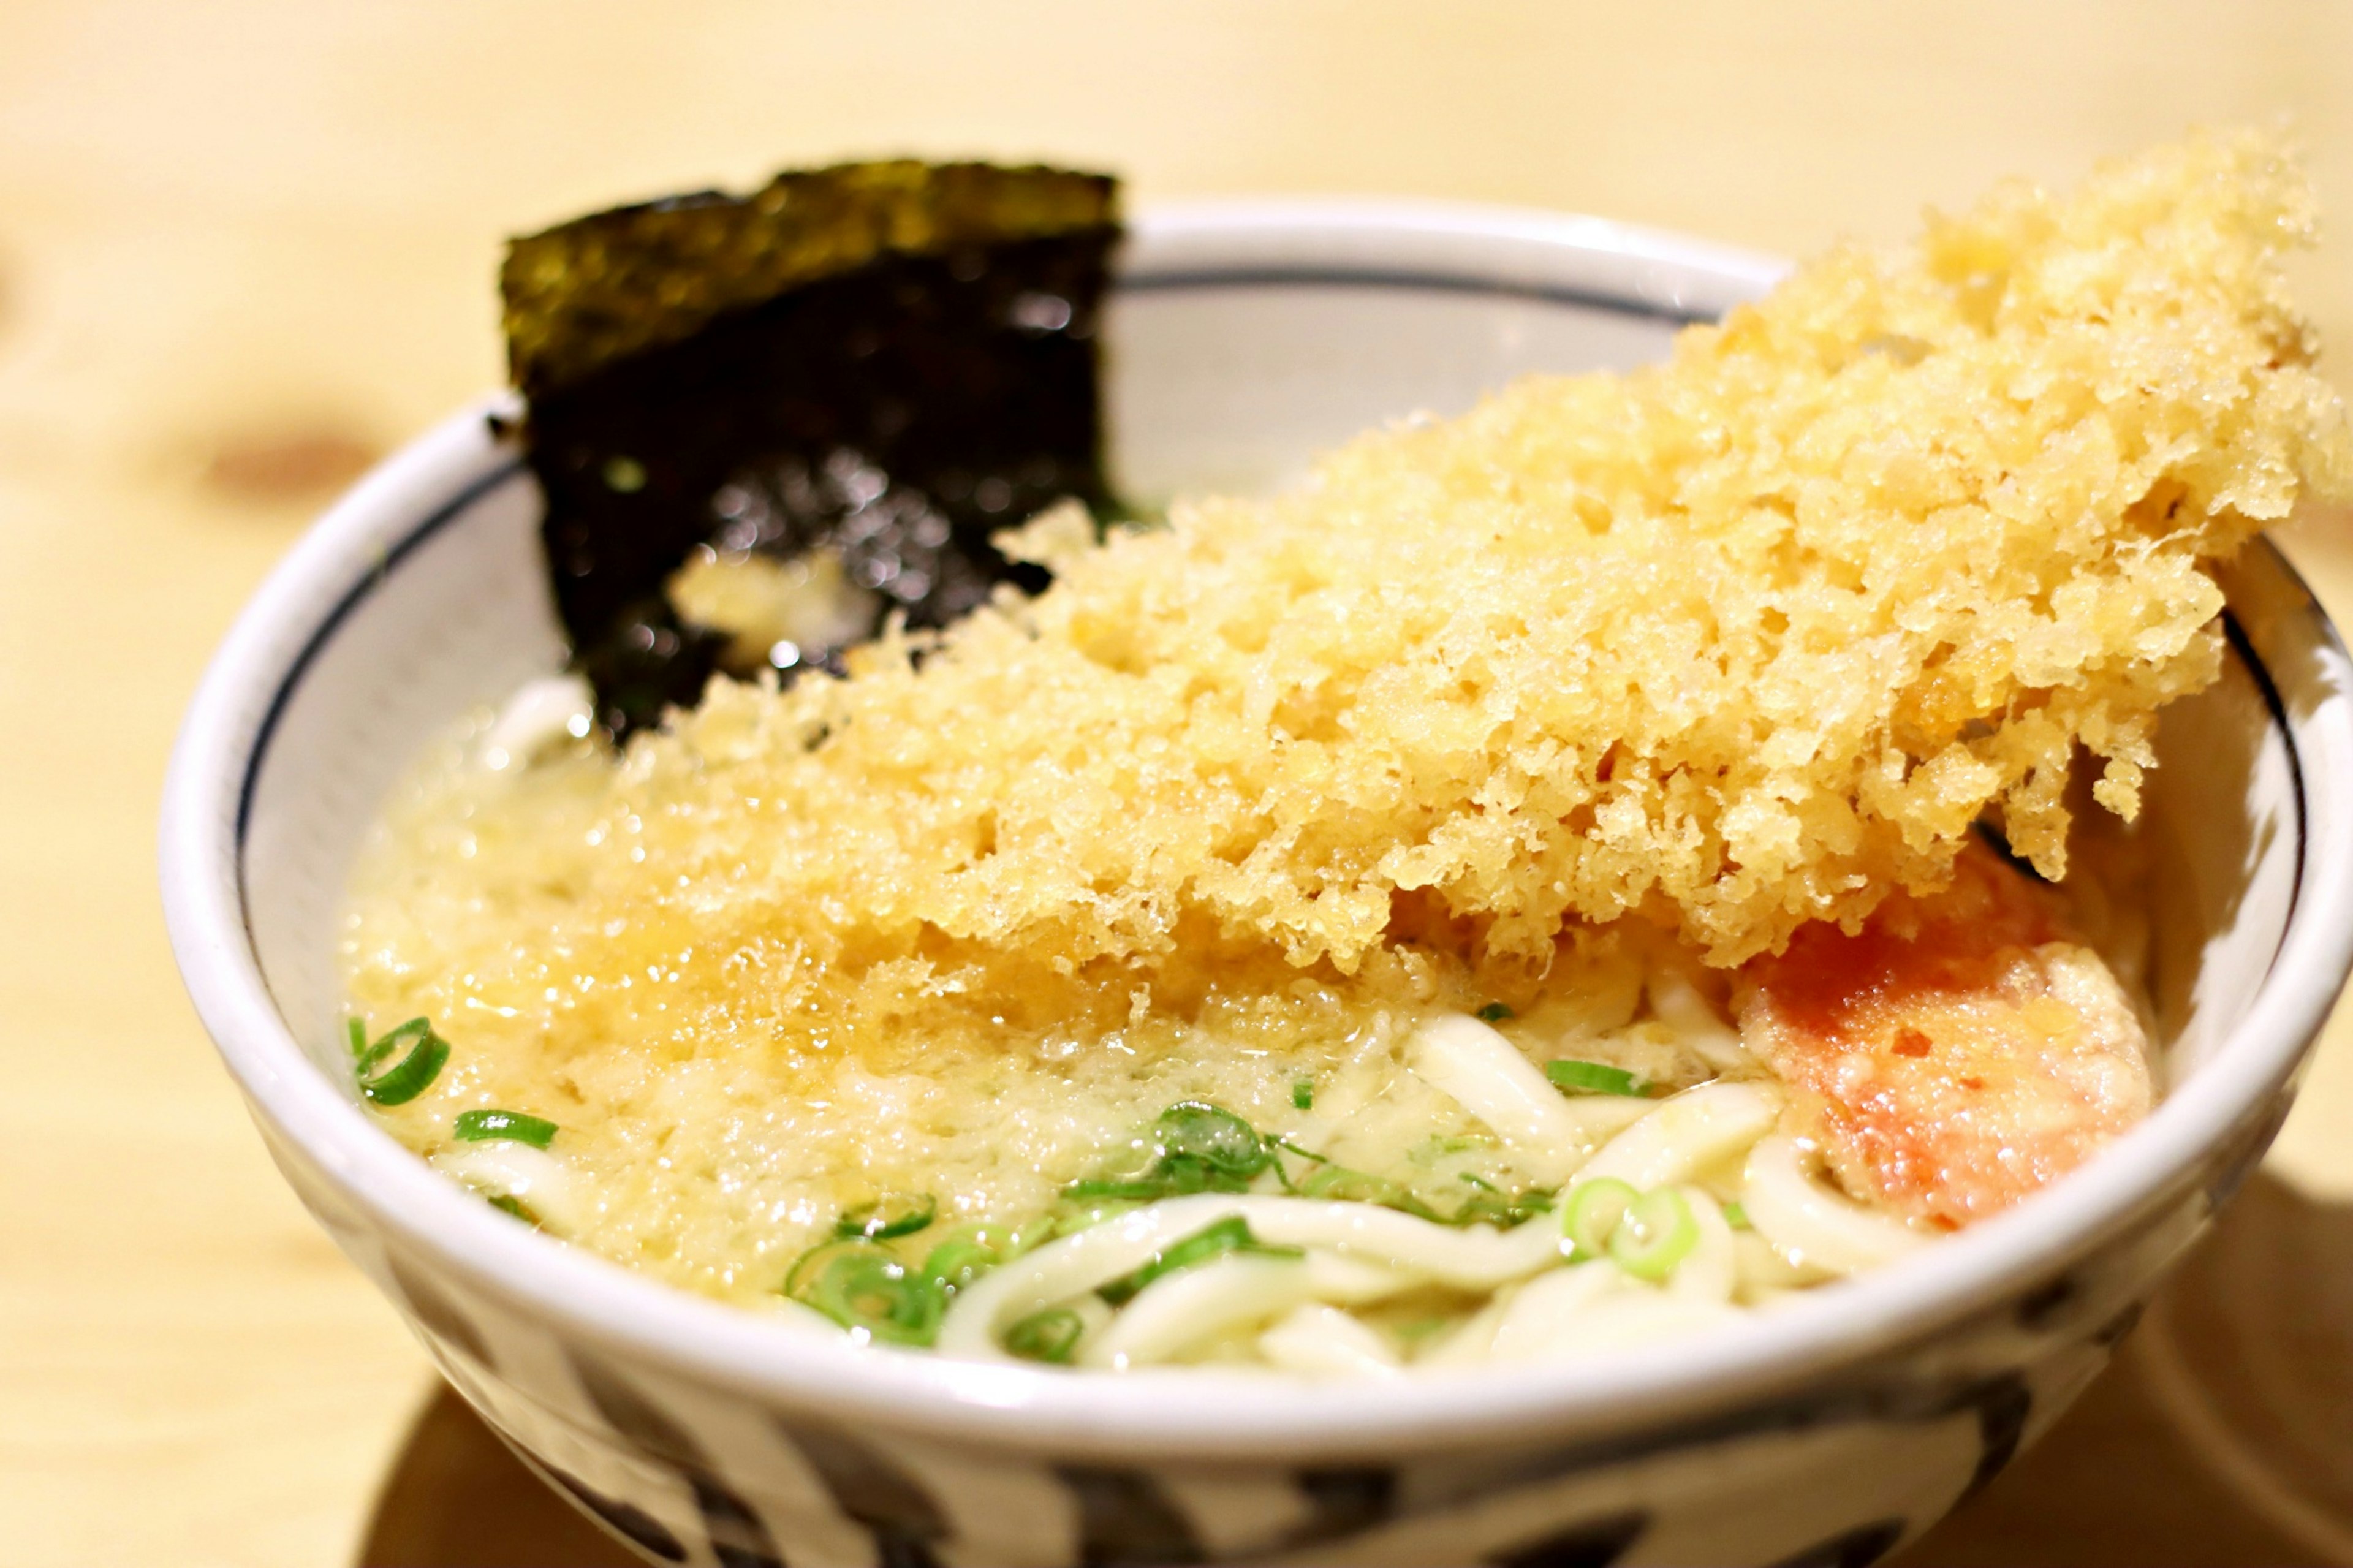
column 2236, row 636
column 1425, row 282
column 447, row 513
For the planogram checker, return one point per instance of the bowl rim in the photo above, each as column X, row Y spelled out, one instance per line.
column 1193, row 1412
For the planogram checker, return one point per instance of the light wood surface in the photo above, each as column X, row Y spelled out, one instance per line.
column 245, row 245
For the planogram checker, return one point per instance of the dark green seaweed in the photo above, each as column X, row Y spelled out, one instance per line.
column 891, row 361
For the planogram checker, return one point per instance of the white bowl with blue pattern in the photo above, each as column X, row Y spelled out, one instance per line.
column 1241, row 339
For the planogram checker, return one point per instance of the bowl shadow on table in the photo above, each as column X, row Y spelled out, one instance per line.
column 2222, row 1435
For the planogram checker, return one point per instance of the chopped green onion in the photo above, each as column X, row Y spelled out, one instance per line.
column 1138, row 1189
column 480, row 1126
column 364, row 1056
column 1074, row 1216
column 1593, row 1077
column 413, row 1074
column 1489, row 1205
column 953, row 1265
column 893, row 1214
column 1493, row 1012
column 1230, row 1235
column 1202, row 1148
column 1051, row 1336
column 1224, row 1142
column 1283, row 1173
column 865, row 1290
column 506, row 1202
column 1303, row 1095
column 1012, row 1240
column 1735, row 1217
column 969, row 1251
column 1655, row 1235
column 1338, row 1183
column 1593, row 1211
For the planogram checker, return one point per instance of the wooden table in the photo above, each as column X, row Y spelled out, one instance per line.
column 246, row 246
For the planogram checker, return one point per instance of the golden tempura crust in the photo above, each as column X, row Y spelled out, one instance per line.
column 1743, row 640
column 1746, row 639
column 1957, row 1052
column 1728, row 644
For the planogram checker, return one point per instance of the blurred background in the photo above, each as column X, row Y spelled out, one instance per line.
column 246, row 247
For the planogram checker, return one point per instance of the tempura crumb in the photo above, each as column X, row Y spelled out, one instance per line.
column 1743, row 640
column 1740, row 641
column 1494, row 711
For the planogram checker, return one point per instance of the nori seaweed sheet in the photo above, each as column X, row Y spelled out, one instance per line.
column 893, row 361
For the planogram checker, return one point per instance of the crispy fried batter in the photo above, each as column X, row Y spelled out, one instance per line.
column 1747, row 639
column 1959, row 1052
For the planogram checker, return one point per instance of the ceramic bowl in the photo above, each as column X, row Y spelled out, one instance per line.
column 1241, row 339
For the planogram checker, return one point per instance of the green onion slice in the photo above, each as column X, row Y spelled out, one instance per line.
column 506, row 1202
column 365, row 1055
column 1593, row 1077
column 865, row 1290
column 1229, row 1235
column 1658, row 1232
column 1491, row 1204
column 481, row 1126
column 892, row 1214
column 1195, row 1130
column 413, row 1074
column 1303, row 1095
column 1493, row 1012
column 1338, row 1183
column 1075, row 1215
column 1202, row 1148
column 1504, row 1211
column 1735, row 1217
column 1184, row 1180
column 1051, row 1336
column 1593, row 1211
column 953, row 1265
column 964, row 1254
